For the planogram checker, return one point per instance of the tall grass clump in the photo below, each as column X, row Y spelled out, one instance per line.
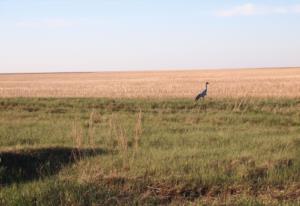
column 138, row 130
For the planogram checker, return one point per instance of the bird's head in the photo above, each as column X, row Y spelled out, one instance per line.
column 207, row 83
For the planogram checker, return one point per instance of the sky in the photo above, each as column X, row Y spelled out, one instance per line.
column 121, row 35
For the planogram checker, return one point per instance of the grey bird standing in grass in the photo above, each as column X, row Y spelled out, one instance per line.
column 203, row 93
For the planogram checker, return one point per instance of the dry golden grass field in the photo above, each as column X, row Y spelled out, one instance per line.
column 284, row 82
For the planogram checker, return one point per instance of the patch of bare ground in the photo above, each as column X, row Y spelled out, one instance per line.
column 281, row 82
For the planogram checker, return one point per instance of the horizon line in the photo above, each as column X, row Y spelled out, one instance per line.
column 151, row 70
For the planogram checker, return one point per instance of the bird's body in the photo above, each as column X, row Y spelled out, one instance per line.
column 203, row 93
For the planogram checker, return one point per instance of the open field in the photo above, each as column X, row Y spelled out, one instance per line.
column 224, row 83
column 90, row 151
column 138, row 138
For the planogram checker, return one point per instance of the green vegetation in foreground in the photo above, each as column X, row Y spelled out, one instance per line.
column 126, row 152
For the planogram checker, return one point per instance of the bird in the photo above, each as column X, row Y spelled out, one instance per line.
column 202, row 93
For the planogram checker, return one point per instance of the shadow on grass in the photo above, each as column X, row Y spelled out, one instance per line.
column 25, row 165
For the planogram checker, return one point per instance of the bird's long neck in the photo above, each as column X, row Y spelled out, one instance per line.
column 206, row 86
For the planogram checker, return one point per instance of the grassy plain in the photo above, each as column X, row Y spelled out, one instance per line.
column 283, row 82
column 97, row 151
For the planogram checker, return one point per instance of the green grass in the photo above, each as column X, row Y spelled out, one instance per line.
column 98, row 151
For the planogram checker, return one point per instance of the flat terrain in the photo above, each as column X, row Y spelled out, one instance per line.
column 88, row 151
column 224, row 83
column 138, row 138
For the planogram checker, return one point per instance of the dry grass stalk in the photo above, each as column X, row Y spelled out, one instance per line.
column 122, row 139
column 77, row 138
column 91, row 129
column 77, row 135
column 238, row 104
column 138, row 130
column 123, row 145
column 112, row 132
column 118, row 135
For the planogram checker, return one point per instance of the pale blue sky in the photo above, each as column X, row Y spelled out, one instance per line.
column 103, row 35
